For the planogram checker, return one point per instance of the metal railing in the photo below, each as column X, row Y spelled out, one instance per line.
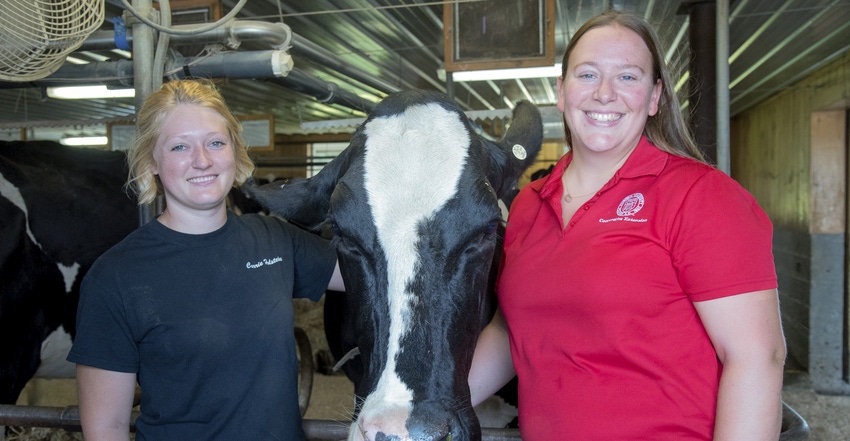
column 794, row 426
column 68, row 418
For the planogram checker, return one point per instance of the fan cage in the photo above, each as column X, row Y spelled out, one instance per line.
column 37, row 35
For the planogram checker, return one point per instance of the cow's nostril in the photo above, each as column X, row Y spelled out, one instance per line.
column 430, row 432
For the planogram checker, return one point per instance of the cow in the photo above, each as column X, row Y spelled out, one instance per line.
column 60, row 208
column 412, row 205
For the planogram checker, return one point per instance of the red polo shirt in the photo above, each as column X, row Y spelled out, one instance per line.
column 604, row 336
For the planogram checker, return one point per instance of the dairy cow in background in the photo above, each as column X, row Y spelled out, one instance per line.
column 60, row 208
column 413, row 206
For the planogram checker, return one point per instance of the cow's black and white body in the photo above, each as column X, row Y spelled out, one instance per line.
column 413, row 204
column 60, row 208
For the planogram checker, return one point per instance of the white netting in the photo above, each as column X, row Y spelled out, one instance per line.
column 37, row 35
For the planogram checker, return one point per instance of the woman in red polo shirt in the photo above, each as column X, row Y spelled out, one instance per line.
column 637, row 291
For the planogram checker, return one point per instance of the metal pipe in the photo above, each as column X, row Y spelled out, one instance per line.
column 234, row 65
column 233, row 34
column 112, row 73
column 702, row 68
column 68, row 418
column 323, row 91
column 794, row 426
column 276, row 35
column 723, row 123
column 268, row 65
column 142, row 54
column 143, row 63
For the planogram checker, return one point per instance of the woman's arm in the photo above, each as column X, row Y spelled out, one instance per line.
column 747, row 334
column 106, row 402
column 492, row 367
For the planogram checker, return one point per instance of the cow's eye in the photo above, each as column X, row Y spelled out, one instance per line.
column 335, row 229
column 492, row 226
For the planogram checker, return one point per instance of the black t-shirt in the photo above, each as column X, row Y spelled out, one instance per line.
column 206, row 321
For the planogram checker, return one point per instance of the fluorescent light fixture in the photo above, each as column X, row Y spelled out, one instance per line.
column 88, row 92
column 122, row 52
column 74, row 60
column 508, row 74
column 84, row 140
column 96, row 56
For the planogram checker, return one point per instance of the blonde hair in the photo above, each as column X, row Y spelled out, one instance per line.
column 667, row 129
column 149, row 123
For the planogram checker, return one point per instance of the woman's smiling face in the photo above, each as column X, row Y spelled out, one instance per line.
column 194, row 158
column 609, row 89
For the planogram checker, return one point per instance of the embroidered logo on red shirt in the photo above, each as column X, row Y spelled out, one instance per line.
column 630, row 205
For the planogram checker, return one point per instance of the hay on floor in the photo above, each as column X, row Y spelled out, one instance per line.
column 41, row 434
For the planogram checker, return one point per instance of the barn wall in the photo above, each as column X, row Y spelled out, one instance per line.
column 550, row 152
column 772, row 156
column 288, row 157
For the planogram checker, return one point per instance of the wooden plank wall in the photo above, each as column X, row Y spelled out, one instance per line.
column 771, row 147
column 786, row 151
column 828, row 171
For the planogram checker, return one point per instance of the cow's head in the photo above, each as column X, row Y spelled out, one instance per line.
column 413, row 205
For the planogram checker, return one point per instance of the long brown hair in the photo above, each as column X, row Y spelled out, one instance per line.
column 667, row 129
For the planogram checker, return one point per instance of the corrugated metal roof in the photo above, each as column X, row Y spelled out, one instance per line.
column 399, row 44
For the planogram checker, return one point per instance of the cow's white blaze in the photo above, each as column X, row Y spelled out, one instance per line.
column 412, row 165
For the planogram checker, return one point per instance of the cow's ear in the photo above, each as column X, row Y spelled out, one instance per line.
column 517, row 150
column 302, row 201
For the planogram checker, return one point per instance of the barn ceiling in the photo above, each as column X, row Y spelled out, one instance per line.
column 357, row 51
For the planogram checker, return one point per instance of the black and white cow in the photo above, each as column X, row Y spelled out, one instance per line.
column 60, row 208
column 413, row 205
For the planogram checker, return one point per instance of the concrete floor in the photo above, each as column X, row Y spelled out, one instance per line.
column 828, row 416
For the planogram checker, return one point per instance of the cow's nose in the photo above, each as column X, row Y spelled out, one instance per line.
column 432, row 422
column 394, row 427
column 386, row 425
column 413, row 435
column 430, row 432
